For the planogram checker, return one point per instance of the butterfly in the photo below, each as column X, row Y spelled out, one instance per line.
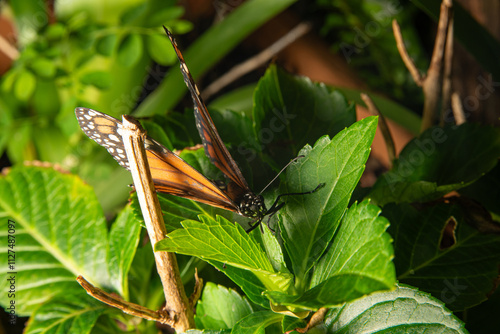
column 171, row 174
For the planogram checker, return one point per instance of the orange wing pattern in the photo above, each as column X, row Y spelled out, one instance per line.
column 170, row 173
column 213, row 144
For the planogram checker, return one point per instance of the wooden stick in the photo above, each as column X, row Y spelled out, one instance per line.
column 315, row 320
column 384, row 128
column 7, row 49
column 127, row 307
column 256, row 61
column 458, row 110
column 448, row 65
column 431, row 83
column 410, row 65
column 177, row 304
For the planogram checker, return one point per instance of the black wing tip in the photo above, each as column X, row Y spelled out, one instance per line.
column 169, row 34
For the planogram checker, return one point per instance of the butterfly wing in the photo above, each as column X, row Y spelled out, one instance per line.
column 213, row 144
column 170, row 173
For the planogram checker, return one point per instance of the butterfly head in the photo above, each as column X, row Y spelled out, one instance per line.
column 252, row 206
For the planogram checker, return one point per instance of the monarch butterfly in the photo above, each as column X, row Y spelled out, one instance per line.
column 171, row 174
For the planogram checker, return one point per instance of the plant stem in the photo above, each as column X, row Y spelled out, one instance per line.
column 177, row 305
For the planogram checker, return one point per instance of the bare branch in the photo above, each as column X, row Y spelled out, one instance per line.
column 384, row 128
column 448, row 64
column 315, row 320
column 177, row 306
column 198, row 287
column 256, row 61
column 410, row 65
column 7, row 49
column 431, row 83
column 127, row 307
column 458, row 110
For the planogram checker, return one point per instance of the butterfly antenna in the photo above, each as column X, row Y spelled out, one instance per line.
column 281, row 171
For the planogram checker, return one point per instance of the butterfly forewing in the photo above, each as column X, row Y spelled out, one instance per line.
column 170, row 173
column 213, row 144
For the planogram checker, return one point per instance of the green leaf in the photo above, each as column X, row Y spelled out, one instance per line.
column 60, row 233
column 160, row 49
column 130, row 50
column 486, row 191
column 133, row 14
column 8, row 80
column 484, row 317
column 249, row 283
column 238, row 99
column 310, row 221
column 220, row 308
column 106, row 44
column 439, row 161
column 98, row 79
column 460, row 270
column 256, row 322
column 291, row 112
column 164, row 16
column 210, row 48
column 56, row 31
column 273, row 249
column 25, row 85
column 361, row 246
column 51, row 144
column 334, row 291
column 403, row 310
column 222, row 241
column 46, row 99
column 20, row 147
column 123, row 241
column 43, row 67
column 75, row 313
column 357, row 263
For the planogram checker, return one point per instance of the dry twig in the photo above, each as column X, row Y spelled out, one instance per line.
column 127, row 307
column 431, row 83
column 177, row 306
column 7, row 49
column 448, row 62
column 384, row 128
column 315, row 320
column 256, row 61
column 458, row 110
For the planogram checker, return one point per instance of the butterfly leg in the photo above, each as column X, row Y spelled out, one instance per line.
column 271, row 215
column 275, row 207
column 254, row 224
